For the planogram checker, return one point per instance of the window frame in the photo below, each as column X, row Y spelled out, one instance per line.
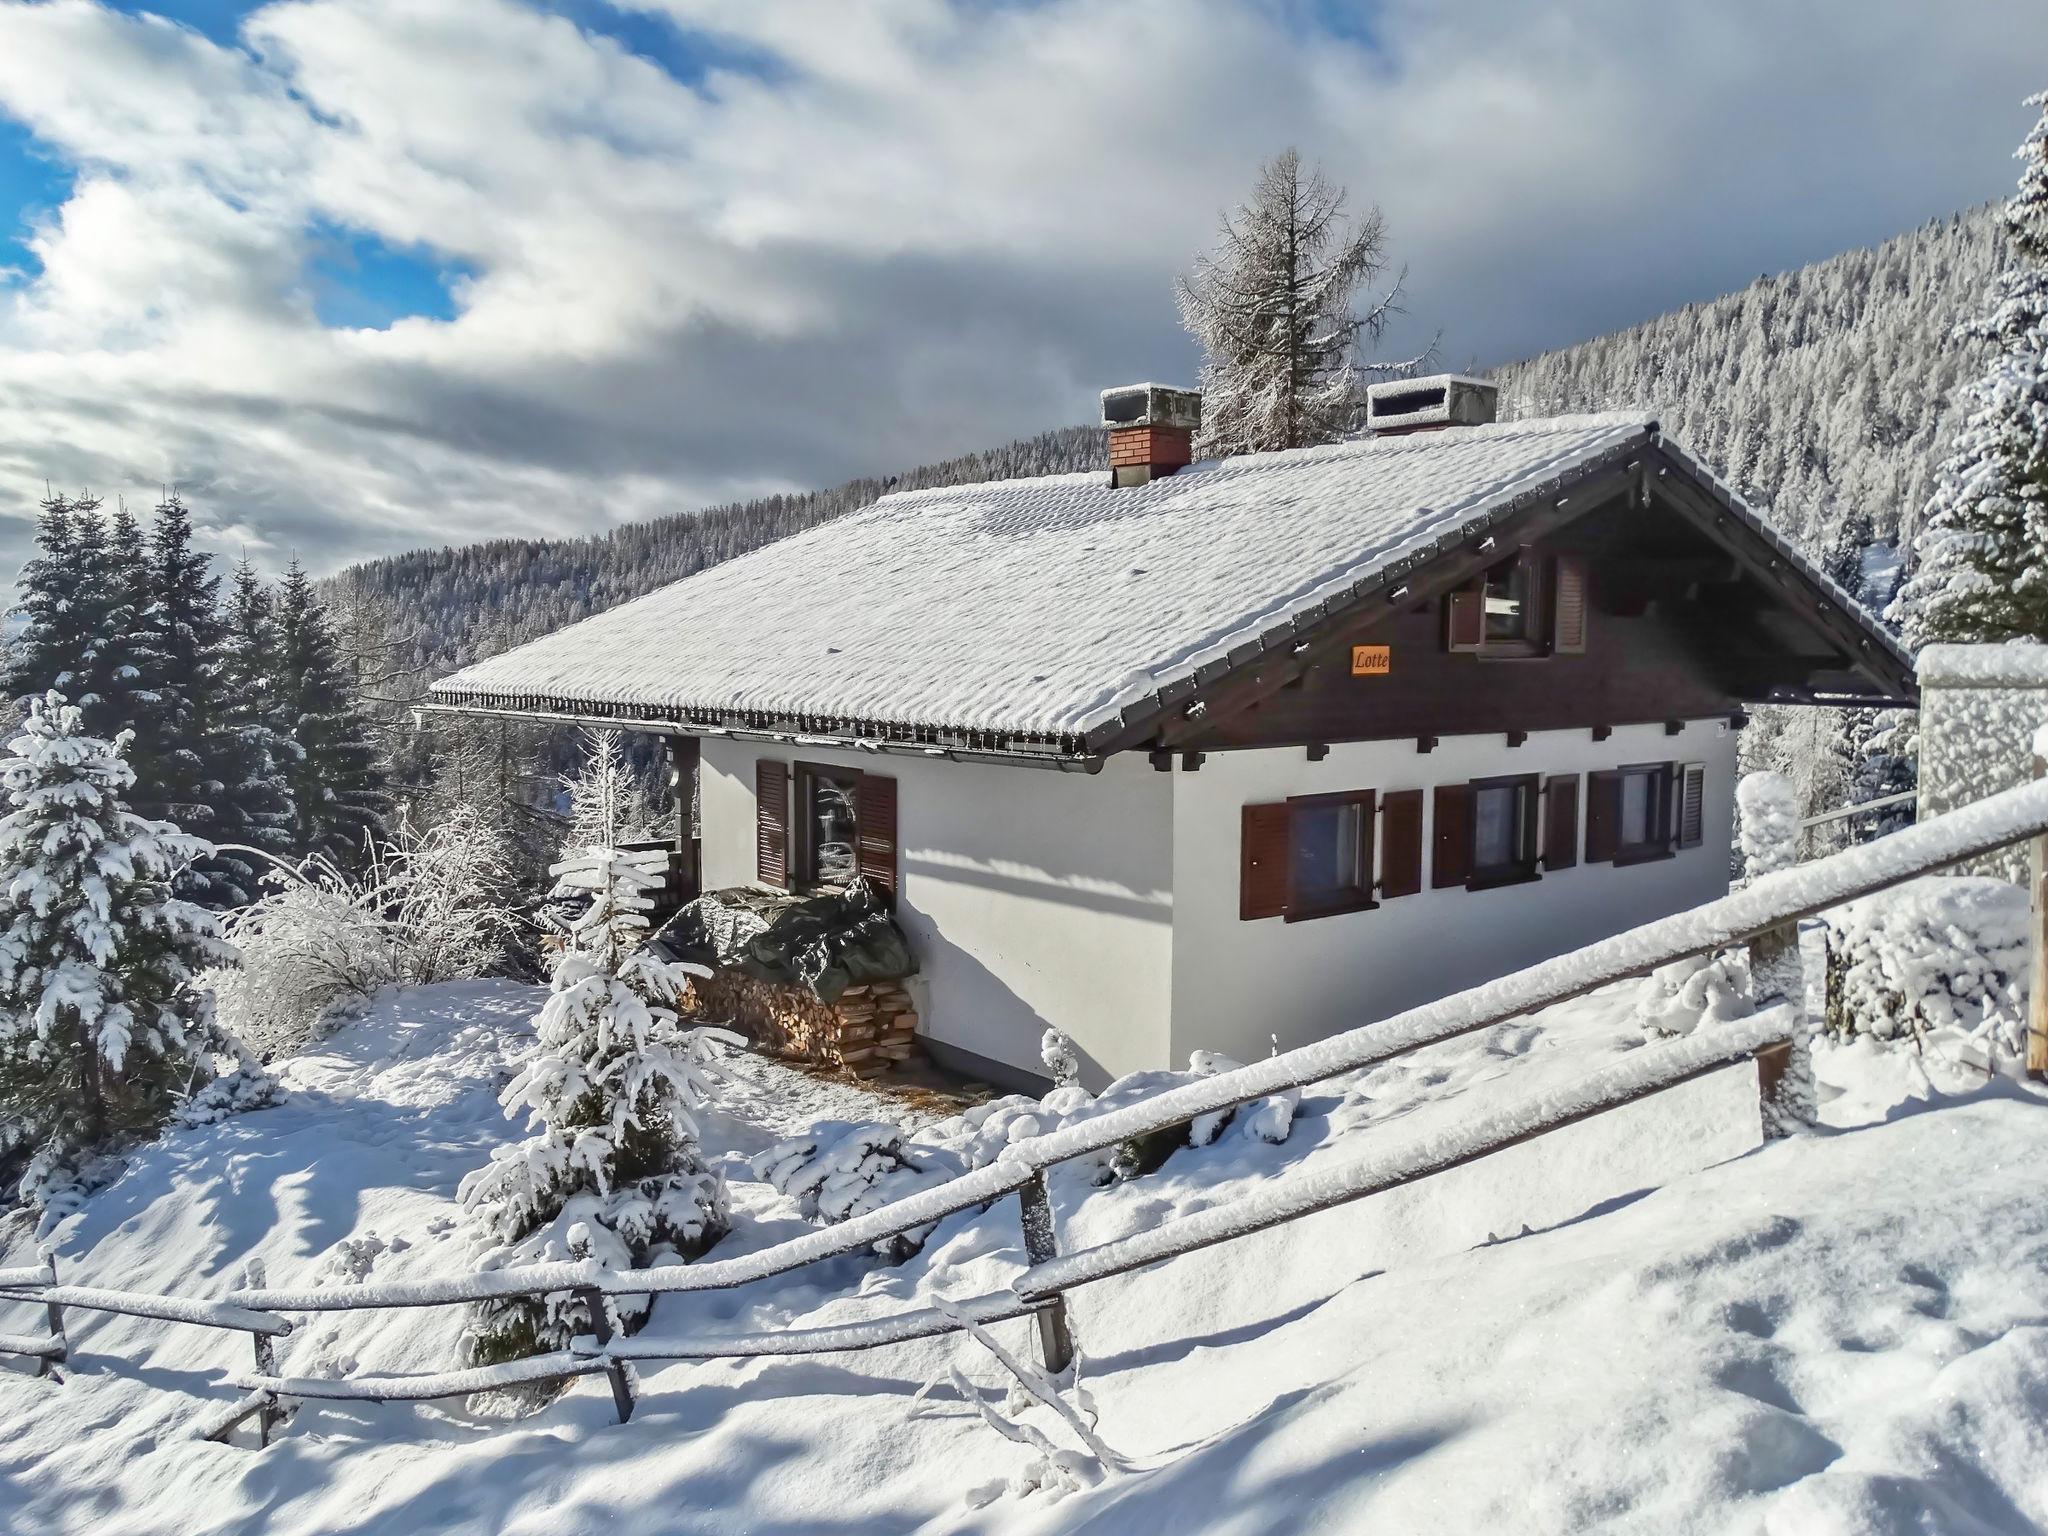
column 1662, row 840
column 803, row 860
column 1525, row 866
column 1355, row 898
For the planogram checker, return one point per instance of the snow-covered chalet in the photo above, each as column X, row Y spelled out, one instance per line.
column 1180, row 756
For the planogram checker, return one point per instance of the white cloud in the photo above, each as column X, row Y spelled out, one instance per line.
column 927, row 225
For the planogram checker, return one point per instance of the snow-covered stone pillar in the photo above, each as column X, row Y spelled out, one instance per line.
column 1768, row 808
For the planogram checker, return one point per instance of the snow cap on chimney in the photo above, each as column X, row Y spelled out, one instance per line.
column 1151, row 430
column 1441, row 400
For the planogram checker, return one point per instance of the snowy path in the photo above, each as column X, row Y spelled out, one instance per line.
column 1845, row 1334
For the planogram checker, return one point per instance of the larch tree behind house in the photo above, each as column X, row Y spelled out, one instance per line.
column 1274, row 307
column 613, row 1171
column 1983, row 556
column 101, row 1027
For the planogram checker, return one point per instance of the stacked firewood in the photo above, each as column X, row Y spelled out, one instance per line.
column 869, row 1030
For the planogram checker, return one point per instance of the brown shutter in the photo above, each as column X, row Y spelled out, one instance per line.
column 771, row 822
column 1401, row 843
column 1262, row 869
column 875, row 834
column 1465, row 619
column 1603, row 817
column 1451, row 850
column 1692, row 794
column 1561, row 821
column 1568, row 616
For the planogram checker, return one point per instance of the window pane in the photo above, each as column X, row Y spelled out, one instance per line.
column 1325, row 853
column 1635, row 810
column 1496, row 826
column 831, row 809
column 1507, row 601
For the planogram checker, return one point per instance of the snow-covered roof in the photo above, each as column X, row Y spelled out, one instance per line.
column 1044, row 609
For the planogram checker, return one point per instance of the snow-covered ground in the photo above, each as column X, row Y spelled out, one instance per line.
column 1846, row 1333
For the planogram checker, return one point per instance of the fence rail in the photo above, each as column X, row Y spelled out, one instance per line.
column 1761, row 914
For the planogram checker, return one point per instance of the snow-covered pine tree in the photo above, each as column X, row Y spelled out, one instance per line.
column 126, row 649
column 614, row 1171
column 101, row 1027
column 192, row 766
column 1981, row 574
column 331, row 773
column 58, row 610
column 253, row 711
column 1274, row 310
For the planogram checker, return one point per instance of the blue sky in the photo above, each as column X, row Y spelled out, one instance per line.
column 362, row 274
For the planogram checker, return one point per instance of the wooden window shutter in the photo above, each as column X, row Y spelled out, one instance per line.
column 1465, row 619
column 771, row 822
column 1561, row 821
column 1451, row 847
column 1568, row 614
column 1603, row 817
column 1401, row 843
column 875, row 833
column 1262, row 869
column 1692, row 794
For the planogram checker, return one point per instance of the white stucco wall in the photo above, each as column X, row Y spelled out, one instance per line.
column 1031, row 897
column 1237, row 984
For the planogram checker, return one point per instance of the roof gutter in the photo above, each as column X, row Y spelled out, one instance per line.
column 1090, row 763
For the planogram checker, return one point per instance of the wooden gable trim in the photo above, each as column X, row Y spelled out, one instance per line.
column 1453, row 562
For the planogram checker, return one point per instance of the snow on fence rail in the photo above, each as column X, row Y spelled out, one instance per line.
column 1762, row 914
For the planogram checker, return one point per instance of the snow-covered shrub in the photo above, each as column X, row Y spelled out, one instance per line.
column 838, row 1170
column 234, row 1092
column 428, row 906
column 1945, row 952
column 102, row 1028
column 1678, row 998
column 1062, row 1060
column 613, row 1085
column 1767, row 821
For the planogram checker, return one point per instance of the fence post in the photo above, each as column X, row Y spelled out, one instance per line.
column 601, row 1326
column 269, row 1415
column 47, row 1366
column 1784, row 1073
column 2037, row 971
column 1041, row 1244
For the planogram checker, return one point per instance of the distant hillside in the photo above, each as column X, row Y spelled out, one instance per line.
column 456, row 605
column 1825, row 394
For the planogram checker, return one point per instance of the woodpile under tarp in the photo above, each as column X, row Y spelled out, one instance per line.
column 872, row 1027
column 813, row 977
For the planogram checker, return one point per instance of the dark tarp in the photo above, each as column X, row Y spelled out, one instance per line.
column 827, row 942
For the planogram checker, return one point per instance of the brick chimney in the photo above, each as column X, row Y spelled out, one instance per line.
column 1151, row 430
column 1421, row 405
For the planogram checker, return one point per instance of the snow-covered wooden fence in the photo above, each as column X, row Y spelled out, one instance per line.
column 1762, row 911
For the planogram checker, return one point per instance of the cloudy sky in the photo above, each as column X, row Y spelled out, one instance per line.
column 365, row 274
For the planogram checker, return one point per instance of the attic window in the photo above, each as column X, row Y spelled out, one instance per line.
column 1509, row 601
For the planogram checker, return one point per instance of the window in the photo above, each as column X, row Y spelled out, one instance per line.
column 1504, row 829
column 1507, row 601
column 1329, row 854
column 1629, row 818
column 843, row 826
column 828, row 820
column 1312, row 856
column 1520, row 607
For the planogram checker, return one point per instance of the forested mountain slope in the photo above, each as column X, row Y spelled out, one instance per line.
column 1826, row 395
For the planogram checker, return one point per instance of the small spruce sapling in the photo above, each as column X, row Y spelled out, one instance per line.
column 614, row 1172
